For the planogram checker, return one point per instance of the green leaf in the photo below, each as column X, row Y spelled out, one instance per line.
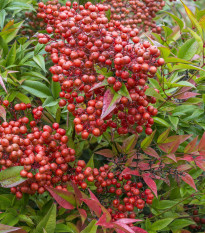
column 161, row 224
column 163, row 136
column 56, row 89
column 183, row 84
column 73, row 227
column 108, row 14
column 165, row 204
column 160, row 121
column 146, row 142
column 5, row 201
column 26, row 219
column 174, row 121
column 2, row 18
column 180, row 224
column 9, row 35
column 193, row 19
column 19, row 6
column 91, row 228
column 23, row 98
column 39, row 59
column 48, row 222
column 10, row 177
column 178, row 21
column 124, row 92
column 49, row 102
column 197, row 37
column 175, row 60
column 36, row 88
column 151, row 92
column 91, row 162
column 38, row 47
column 186, row 67
column 32, row 74
column 63, row 228
column 103, row 71
column 4, row 46
column 188, row 49
column 11, row 57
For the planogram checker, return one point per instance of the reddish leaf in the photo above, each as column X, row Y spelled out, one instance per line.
column 150, row 151
column 172, row 156
column 93, row 206
column 200, row 162
column 129, row 143
column 162, row 137
column 83, row 215
column 98, row 85
column 187, row 158
column 103, row 222
column 191, row 146
column 77, row 193
column 123, row 228
column 64, row 198
column 102, row 208
column 202, row 143
column 189, row 180
column 3, row 113
column 2, row 84
column 130, row 172
column 105, row 152
column 7, row 229
column 150, row 182
column 127, row 220
column 138, row 230
column 109, row 102
column 186, row 95
column 179, row 138
column 144, row 166
column 183, row 167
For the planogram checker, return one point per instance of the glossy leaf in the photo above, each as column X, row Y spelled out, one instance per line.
column 147, row 141
column 48, row 222
column 105, row 152
column 160, row 224
column 64, row 198
column 188, row 49
column 150, row 182
column 39, row 59
column 10, row 177
column 189, row 180
column 91, row 228
column 151, row 92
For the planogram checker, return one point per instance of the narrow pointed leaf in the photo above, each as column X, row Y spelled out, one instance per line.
column 150, row 182
column 3, row 113
column 189, row 180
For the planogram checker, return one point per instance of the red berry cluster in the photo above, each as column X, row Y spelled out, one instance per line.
column 22, row 106
column 124, row 194
column 199, row 221
column 43, row 153
column 135, row 13
column 81, row 40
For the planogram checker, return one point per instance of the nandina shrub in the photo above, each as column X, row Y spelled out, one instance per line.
column 103, row 70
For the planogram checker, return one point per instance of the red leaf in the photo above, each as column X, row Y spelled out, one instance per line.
column 123, row 228
column 3, row 113
column 191, row 147
column 105, row 152
column 92, row 195
column 150, row 182
column 77, row 193
column 83, row 215
column 150, row 151
column 179, row 138
column 144, row 166
column 189, row 180
column 130, row 172
column 138, row 230
column 98, row 85
column 186, row 95
column 109, row 102
column 127, row 220
column 2, row 84
column 93, row 206
column 63, row 198
column 103, row 222
column 202, row 143
column 183, row 167
column 7, row 229
column 200, row 162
